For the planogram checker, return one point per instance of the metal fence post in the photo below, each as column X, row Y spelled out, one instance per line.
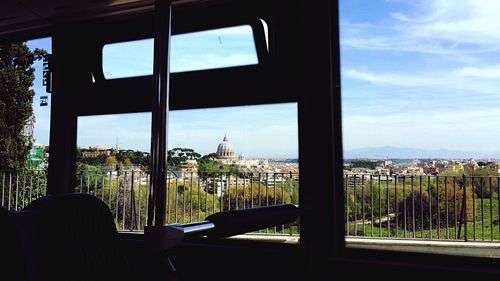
column 464, row 206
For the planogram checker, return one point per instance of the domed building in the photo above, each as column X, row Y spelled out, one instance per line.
column 225, row 154
column 225, row 150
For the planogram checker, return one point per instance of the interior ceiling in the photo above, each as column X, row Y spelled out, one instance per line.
column 18, row 16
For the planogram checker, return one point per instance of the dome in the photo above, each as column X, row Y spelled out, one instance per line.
column 225, row 150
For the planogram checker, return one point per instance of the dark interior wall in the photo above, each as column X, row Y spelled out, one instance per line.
column 247, row 260
column 224, row 260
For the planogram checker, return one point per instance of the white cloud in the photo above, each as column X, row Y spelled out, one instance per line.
column 400, row 16
column 394, row 79
column 438, row 27
column 484, row 80
column 487, row 72
column 466, row 21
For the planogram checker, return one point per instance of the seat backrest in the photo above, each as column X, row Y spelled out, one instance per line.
column 10, row 252
column 71, row 237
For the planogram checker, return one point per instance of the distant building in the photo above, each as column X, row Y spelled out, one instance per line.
column 95, row 151
column 225, row 150
column 225, row 154
column 384, row 163
column 414, row 170
column 431, row 170
column 37, row 157
column 188, row 169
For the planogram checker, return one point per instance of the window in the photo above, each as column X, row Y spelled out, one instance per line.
column 217, row 48
column 420, row 123
column 113, row 164
column 219, row 159
column 232, row 158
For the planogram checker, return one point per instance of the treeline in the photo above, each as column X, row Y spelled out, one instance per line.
column 176, row 157
column 206, row 164
column 116, row 161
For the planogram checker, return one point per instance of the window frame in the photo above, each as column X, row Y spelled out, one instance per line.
column 216, row 94
column 120, row 95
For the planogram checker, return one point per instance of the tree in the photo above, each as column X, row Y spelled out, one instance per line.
column 16, row 98
column 210, row 156
column 177, row 156
column 87, row 175
column 111, row 162
column 127, row 162
column 363, row 164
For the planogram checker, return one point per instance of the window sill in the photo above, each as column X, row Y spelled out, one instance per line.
column 455, row 248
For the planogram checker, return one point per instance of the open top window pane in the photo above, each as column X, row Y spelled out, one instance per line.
column 211, row 49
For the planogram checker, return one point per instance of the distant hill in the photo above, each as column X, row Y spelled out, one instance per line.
column 284, row 160
column 392, row 152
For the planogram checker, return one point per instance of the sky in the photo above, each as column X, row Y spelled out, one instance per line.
column 264, row 131
column 42, row 113
column 421, row 74
column 415, row 73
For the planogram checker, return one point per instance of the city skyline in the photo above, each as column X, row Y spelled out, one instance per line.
column 202, row 130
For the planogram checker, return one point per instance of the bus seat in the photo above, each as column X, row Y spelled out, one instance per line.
column 70, row 237
column 10, row 255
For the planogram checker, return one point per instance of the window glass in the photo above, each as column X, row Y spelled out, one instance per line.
column 420, row 123
column 217, row 48
column 219, row 159
column 113, row 164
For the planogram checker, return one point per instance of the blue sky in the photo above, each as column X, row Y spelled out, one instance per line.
column 265, row 131
column 421, row 74
column 42, row 114
column 415, row 73
column 193, row 51
column 255, row 131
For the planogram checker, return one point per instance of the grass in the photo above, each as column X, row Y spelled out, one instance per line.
column 282, row 230
column 484, row 227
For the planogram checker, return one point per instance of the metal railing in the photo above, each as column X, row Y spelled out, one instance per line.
column 190, row 197
column 422, row 207
column 19, row 189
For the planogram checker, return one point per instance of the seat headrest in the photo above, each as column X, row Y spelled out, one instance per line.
column 72, row 237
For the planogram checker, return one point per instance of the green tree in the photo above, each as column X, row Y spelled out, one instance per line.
column 177, row 156
column 16, row 98
column 363, row 164
column 210, row 156
column 214, row 166
column 87, row 176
